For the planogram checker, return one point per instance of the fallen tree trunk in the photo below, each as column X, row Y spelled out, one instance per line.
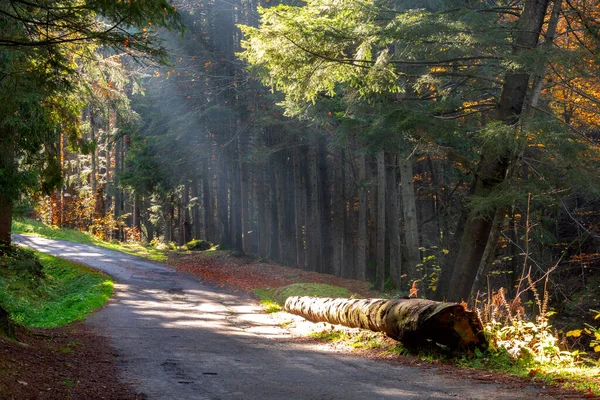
column 411, row 321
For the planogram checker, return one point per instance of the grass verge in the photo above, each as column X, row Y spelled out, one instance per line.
column 29, row 226
column 51, row 293
column 273, row 299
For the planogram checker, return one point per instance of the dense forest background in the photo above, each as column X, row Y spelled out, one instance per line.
column 451, row 143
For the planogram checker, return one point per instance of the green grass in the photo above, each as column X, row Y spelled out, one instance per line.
column 63, row 293
column 273, row 300
column 29, row 226
column 578, row 376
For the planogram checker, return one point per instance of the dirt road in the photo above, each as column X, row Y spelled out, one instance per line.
column 178, row 339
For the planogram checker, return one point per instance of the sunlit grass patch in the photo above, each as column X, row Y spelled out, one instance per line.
column 353, row 338
column 29, row 226
column 64, row 291
column 273, row 299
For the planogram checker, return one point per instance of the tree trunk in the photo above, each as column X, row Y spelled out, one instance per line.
column 207, row 205
column 490, row 251
column 236, row 207
column 411, row 227
column 244, row 189
column 313, row 231
column 350, row 223
column 325, row 187
column 275, row 202
column 5, row 221
column 187, row 223
column 286, row 241
column 337, row 227
column 223, row 207
column 381, row 183
column 361, row 251
column 492, row 168
column 299, row 208
column 393, row 224
column 136, row 213
column 411, row 321
column 196, row 222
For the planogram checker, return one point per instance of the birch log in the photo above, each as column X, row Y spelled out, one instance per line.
column 411, row 321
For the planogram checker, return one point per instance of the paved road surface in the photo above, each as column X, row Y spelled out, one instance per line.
column 180, row 339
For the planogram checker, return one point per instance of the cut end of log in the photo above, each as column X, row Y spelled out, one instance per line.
column 411, row 321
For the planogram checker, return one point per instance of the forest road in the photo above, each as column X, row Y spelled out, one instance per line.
column 180, row 339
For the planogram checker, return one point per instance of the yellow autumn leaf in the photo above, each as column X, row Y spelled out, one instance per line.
column 597, row 316
column 586, row 330
column 597, row 349
column 597, row 335
column 574, row 333
column 445, row 251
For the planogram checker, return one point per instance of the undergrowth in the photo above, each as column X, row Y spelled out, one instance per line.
column 531, row 348
column 51, row 293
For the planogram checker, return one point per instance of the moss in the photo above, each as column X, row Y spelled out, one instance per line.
column 198, row 245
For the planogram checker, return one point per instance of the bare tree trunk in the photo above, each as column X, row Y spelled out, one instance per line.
column 246, row 236
column 381, row 183
column 337, row 227
column 361, row 251
column 117, row 195
column 236, row 207
column 411, row 227
column 285, row 241
column 8, row 169
column 207, row 203
column 93, row 174
column 313, row 232
column 349, row 250
column 187, row 224
column 264, row 212
column 325, row 187
column 223, row 207
column 196, row 221
column 276, row 200
column 490, row 251
column 136, row 212
column 393, row 224
column 300, row 209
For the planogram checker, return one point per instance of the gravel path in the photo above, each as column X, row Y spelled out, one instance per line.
column 178, row 339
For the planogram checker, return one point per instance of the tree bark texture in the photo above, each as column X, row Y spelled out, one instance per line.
column 196, row 222
column 411, row 227
column 338, row 210
column 313, row 232
column 381, row 218
column 393, row 228
column 361, row 251
column 299, row 207
column 411, row 321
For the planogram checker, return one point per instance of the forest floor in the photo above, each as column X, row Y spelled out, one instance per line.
column 69, row 362
column 73, row 362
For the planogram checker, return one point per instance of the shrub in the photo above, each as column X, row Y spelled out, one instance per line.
column 198, row 245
